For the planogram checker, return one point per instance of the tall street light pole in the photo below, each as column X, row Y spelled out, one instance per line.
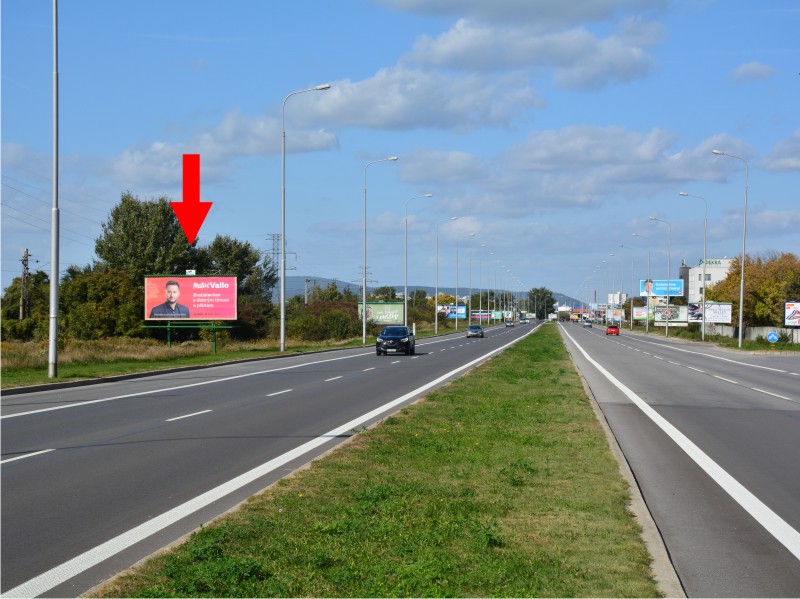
column 436, row 298
column 364, row 278
column 322, row 87
column 669, row 260
column 633, row 255
column 744, row 236
column 405, row 286
column 52, row 364
column 649, row 276
column 705, row 233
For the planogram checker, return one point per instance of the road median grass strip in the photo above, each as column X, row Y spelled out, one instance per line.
column 499, row 484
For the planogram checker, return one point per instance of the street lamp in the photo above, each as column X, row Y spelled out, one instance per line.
column 364, row 280
column 405, row 287
column 649, row 276
column 436, row 297
column 322, row 87
column 669, row 259
column 705, row 230
column 744, row 235
column 633, row 255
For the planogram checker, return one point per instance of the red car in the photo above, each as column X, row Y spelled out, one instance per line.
column 612, row 329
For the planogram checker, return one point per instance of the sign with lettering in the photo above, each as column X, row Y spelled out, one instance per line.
column 168, row 297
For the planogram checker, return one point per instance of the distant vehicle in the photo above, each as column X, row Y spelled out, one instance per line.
column 395, row 339
column 524, row 321
column 587, row 324
column 509, row 323
column 612, row 329
column 475, row 330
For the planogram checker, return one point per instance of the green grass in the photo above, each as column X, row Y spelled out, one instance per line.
column 499, row 484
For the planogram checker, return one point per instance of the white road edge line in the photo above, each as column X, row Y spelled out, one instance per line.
column 772, row 522
column 71, row 568
column 187, row 416
column 27, row 455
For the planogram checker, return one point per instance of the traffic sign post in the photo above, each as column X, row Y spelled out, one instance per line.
column 772, row 337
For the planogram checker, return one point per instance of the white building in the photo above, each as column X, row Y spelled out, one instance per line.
column 716, row 270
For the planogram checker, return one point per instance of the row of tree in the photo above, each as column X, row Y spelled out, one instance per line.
column 106, row 298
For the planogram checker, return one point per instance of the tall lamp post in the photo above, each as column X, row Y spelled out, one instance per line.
column 669, row 260
column 744, row 236
column 55, row 227
column 405, row 286
column 649, row 276
column 705, row 234
column 436, row 297
column 364, row 274
column 322, row 87
column 627, row 247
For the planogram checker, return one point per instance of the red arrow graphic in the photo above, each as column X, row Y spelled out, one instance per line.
column 191, row 212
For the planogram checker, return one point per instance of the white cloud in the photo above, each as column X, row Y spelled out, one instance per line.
column 158, row 164
column 752, row 71
column 579, row 58
column 401, row 98
column 785, row 156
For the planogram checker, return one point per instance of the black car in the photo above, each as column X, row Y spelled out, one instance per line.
column 395, row 339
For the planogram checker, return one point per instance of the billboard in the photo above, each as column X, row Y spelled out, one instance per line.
column 676, row 315
column 383, row 312
column 640, row 313
column 791, row 314
column 655, row 287
column 716, row 312
column 450, row 311
column 190, row 298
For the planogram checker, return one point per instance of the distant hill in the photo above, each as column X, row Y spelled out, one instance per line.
column 297, row 286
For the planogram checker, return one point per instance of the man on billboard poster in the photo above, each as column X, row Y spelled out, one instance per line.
column 170, row 308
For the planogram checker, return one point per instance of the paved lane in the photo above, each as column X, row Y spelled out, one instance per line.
column 103, row 475
column 734, row 412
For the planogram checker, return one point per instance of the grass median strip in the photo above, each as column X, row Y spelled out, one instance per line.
column 499, row 484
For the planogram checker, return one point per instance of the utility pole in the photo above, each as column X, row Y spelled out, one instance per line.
column 24, row 296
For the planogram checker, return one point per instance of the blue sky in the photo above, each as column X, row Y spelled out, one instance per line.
column 552, row 129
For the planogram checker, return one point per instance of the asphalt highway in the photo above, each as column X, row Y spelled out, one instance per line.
column 713, row 439
column 95, row 478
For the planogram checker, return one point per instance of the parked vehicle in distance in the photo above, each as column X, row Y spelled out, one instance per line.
column 612, row 329
column 509, row 323
column 395, row 339
column 475, row 330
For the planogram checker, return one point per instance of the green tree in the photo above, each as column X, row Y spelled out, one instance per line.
column 541, row 301
column 769, row 282
column 385, row 294
column 97, row 302
column 145, row 237
column 35, row 325
column 329, row 294
column 226, row 255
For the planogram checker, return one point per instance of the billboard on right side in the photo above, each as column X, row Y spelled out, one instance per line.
column 791, row 314
column 716, row 312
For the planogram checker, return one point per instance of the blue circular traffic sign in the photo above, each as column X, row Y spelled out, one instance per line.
column 772, row 337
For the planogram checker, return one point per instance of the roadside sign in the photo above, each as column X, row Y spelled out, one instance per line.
column 772, row 337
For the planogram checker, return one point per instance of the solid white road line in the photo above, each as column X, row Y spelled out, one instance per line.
column 772, row 522
column 27, row 455
column 55, row 576
column 187, row 416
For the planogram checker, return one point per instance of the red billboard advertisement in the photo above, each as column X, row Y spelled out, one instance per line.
column 190, row 298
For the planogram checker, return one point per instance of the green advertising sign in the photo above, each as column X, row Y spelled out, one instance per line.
column 383, row 312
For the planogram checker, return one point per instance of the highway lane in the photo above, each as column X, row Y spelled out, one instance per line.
column 740, row 411
column 96, row 477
